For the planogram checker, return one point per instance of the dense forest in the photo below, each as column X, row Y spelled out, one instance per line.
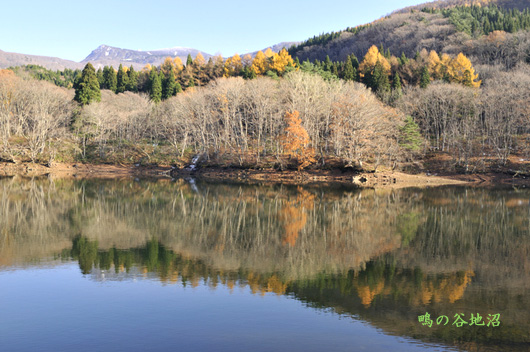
column 467, row 103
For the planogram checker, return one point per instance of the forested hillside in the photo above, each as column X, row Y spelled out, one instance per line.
column 451, row 30
column 448, row 84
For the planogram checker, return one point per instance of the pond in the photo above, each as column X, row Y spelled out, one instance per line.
column 136, row 265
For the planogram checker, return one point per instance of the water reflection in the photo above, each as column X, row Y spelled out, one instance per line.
column 383, row 256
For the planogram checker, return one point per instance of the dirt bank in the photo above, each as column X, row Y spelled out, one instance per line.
column 79, row 170
column 384, row 179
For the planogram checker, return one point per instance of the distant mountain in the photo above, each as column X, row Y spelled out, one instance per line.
column 53, row 63
column 275, row 48
column 105, row 55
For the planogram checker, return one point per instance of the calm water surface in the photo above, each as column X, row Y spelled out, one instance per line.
column 168, row 265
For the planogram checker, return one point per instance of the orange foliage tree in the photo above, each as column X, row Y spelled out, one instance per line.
column 296, row 141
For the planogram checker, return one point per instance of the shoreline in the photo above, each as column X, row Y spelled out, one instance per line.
column 381, row 179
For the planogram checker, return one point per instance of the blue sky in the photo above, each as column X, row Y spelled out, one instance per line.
column 72, row 29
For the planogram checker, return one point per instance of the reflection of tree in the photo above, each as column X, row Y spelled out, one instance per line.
column 86, row 252
column 451, row 288
column 294, row 217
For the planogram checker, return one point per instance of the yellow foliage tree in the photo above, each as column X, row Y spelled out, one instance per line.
column 260, row 64
column 296, row 141
column 199, row 60
column 147, row 68
column 228, row 68
column 434, row 64
column 178, row 64
column 461, row 71
column 370, row 60
column 168, row 66
column 269, row 53
column 281, row 60
column 233, row 66
column 237, row 65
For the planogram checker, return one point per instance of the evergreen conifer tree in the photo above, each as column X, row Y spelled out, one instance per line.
column 99, row 75
column 349, row 74
column 121, row 80
column 425, row 77
column 155, row 86
column 380, row 82
column 178, row 88
column 396, row 86
column 189, row 60
column 354, row 62
column 335, row 69
column 110, row 79
column 327, row 64
column 169, row 86
column 87, row 86
column 132, row 83
column 403, row 60
column 411, row 138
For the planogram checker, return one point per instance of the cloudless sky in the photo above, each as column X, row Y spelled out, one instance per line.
column 72, row 29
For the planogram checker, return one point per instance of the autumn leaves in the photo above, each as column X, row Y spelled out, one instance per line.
column 295, row 142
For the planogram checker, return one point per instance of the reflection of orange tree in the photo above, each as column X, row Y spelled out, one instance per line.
column 294, row 216
column 439, row 288
column 450, row 288
column 367, row 293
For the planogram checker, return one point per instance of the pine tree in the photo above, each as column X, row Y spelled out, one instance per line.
column 178, row 88
column 121, row 80
column 169, row 86
column 155, row 86
column 396, row 86
column 380, row 79
column 328, row 64
column 411, row 138
column 403, row 60
column 99, row 75
column 425, row 77
column 335, row 69
column 349, row 74
column 189, row 60
column 110, row 78
column 354, row 62
column 132, row 83
column 87, row 87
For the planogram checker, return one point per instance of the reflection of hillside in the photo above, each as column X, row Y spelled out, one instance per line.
column 298, row 232
column 476, row 229
column 385, row 257
column 295, row 231
column 383, row 294
column 392, row 299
